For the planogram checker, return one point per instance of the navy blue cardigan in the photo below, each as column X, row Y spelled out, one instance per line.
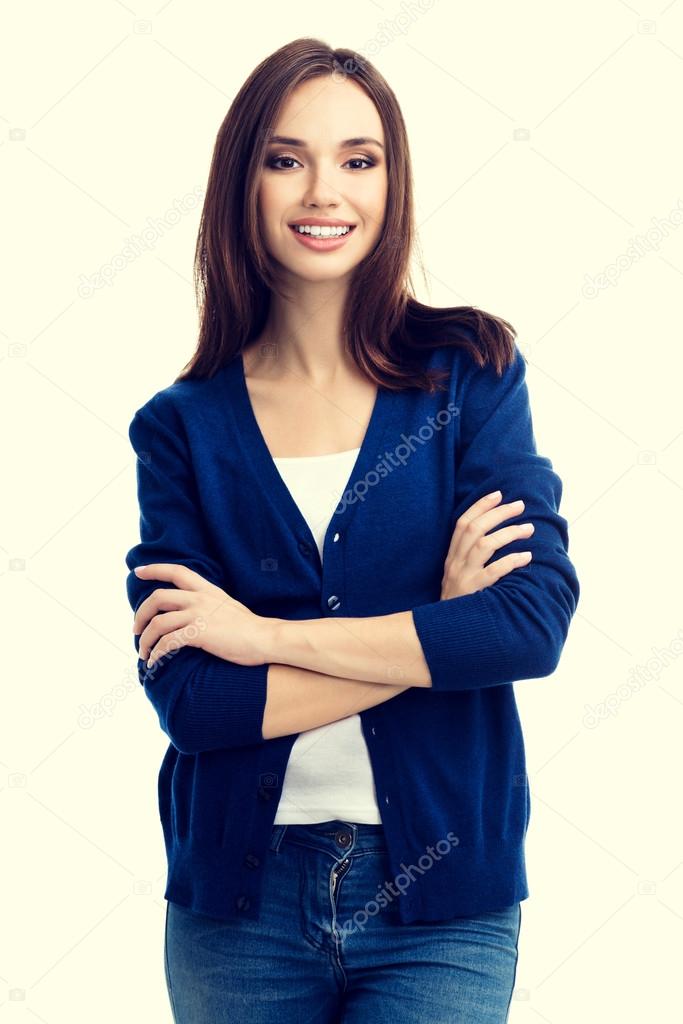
column 448, row 760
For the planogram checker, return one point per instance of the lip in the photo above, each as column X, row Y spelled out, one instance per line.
column 318, row 244
column 322, row 222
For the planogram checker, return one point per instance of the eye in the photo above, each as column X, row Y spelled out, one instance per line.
column 274, row 160
column 361, row 159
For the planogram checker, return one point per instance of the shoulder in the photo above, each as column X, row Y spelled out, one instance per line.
column 175, row 408
column 483, row 375
column 472, row 372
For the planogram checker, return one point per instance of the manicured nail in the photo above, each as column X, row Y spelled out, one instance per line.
column 493, row 494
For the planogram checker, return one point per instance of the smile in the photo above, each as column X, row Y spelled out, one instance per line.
column 322, row 239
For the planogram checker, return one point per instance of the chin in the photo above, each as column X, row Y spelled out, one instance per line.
column 313, row 276
column 316, row 269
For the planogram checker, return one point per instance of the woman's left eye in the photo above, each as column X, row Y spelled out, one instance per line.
column 360, row 160
column 274, row 160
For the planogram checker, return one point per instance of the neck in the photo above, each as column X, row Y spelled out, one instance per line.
column 303, row 334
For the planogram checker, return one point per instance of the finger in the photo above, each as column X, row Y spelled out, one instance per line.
column 167, row 646
column 160, row 626
column 502, row 566
column 164, row 599
column 469, row 528
column 484, row 547
column 473, row 512
column 480, row 506
column 512, row 509
column 170, row 572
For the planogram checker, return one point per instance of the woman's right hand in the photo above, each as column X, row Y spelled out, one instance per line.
column 471, row 546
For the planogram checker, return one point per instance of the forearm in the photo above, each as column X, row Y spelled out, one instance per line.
column 299, row 699
column 382, row 649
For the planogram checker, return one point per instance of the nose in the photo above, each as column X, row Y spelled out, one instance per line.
column 319, row 192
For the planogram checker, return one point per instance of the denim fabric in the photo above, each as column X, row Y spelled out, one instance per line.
column 325, row 952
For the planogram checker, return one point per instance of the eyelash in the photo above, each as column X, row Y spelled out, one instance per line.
column 273, row 160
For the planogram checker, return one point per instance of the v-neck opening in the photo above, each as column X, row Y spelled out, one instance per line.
column 269, row 475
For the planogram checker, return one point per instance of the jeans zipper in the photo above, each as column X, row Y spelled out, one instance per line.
column 335, row 875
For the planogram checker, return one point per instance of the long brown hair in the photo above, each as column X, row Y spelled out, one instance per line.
column 386, row 329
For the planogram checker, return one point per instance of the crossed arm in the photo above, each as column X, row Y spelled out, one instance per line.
column 379, row 649
column 349, row 665
column 298, row 700
column 313, row 672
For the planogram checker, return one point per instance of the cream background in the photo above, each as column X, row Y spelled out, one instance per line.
column 545, row 139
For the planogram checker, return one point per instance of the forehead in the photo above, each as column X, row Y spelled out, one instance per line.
column 324, row 110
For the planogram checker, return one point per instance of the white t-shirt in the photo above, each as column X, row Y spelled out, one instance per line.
column 328, row 774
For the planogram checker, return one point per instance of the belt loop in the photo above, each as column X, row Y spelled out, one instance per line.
column 276, row 837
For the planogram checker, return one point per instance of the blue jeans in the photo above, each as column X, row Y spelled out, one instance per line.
column 310, row 960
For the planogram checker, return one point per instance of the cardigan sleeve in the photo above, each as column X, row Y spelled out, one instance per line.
column 203, row 702
column 515, row 628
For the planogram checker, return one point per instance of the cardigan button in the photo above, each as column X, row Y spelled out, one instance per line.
column 336, row 537
column 333, row 602
column 242, row 903
column 304, row 548
column 251, row 860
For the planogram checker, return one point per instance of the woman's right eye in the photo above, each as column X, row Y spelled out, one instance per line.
column 274, row 160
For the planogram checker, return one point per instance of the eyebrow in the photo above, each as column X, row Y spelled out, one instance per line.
column 359, row 140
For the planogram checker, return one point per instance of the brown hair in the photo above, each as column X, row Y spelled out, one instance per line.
column 387, row 329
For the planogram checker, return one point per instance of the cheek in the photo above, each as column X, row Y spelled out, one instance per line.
column 376, row 221
column 269, row 213
column 275, row 201
column 263, row 207
column 376, row 208
column 270, row 201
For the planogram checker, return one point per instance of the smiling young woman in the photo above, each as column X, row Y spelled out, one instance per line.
column 344, row 797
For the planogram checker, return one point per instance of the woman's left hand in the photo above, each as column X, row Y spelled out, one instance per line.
column 198, row 614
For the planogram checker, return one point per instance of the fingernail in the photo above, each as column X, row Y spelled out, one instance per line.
column 493, row 494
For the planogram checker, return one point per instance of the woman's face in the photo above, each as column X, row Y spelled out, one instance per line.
column 321, row 174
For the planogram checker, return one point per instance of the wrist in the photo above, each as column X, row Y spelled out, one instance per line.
column 274, row 644
column 283, row 639
column 267, row 638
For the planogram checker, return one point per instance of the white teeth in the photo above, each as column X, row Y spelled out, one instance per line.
column 322, row 232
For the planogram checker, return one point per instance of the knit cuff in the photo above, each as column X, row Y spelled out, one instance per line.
column 216, row 704
column 461, row 643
